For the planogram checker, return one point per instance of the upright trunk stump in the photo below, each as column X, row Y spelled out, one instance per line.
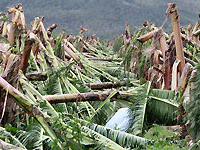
column 10, row 74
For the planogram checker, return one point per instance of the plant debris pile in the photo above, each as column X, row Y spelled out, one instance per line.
column 59, row 91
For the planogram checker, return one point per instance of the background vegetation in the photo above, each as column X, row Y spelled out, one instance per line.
column 102, row 17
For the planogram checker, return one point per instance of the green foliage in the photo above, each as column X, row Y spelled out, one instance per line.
column 152, row 105
column 135, row 58
column 33, row 137
column 124, row 139
column 76, row 130
column 69, row 141
column 54, row 84
column 119, row 41
column 30, row 138
column 194, row 109
column 162, row 106
column 139, row 98
column 4, row 18
column 80, row 86
column 141, row 67
column 121, row 74
column 164, row 139
column 104, row 110
column 6, row 135
column 58, row 49
column 195, row 146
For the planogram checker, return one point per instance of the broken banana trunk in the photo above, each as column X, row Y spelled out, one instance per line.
column 78, row 97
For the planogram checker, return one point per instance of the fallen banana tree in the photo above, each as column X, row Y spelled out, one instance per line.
column 44, row 120
column 79, row 97
column 29, row 107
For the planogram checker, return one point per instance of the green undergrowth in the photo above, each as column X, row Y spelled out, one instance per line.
column 165, row 139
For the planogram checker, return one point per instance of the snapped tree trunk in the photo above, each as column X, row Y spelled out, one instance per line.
column 172, row 9
column 147, row 36
column 26, row 54
column 7, row 104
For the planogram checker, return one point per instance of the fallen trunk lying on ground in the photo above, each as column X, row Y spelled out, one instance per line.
column 107, row 85
column 78, row 97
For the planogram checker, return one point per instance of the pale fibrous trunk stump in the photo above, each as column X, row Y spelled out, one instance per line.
column 11, row 74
